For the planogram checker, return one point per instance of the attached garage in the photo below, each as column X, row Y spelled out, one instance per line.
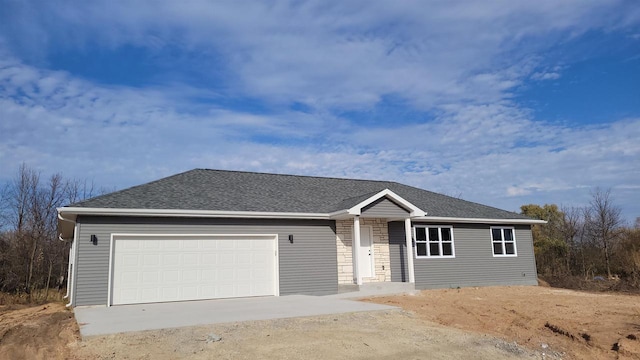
column 160, row 268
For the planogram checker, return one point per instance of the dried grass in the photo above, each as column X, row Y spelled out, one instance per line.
column 36, row 297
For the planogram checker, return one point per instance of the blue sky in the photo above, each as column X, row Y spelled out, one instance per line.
column 500, row 102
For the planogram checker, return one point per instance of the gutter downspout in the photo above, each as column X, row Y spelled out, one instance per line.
column 70, row 267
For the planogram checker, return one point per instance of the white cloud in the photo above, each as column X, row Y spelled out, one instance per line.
column 545, row 76
column 458, row 61
column 489, row 153
column 330, row 54
column 517, row 191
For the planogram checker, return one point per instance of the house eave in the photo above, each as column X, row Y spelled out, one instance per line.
column 68, row 215
column 75, row 211
column 478, row 220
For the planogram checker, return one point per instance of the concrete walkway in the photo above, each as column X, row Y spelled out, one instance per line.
column 375, row 289
column 127, row 318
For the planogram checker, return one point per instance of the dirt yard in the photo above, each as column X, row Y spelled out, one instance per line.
column 38, row 332
column 479, row 323
column 582, row 325
column 378, row 335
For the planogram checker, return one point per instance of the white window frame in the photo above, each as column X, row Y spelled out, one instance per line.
column 503, row 241
column 427, row 241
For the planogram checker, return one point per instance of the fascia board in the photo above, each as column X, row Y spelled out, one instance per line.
column 68, row 211
column 478, row 220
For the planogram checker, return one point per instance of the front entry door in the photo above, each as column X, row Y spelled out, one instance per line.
column 365, row 264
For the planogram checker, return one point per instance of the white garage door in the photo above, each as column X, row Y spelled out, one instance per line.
column 162, row 268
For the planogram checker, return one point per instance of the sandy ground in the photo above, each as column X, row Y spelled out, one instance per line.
column 41, row 332
column 371, row 335
column 580, row 324
column 479, row 323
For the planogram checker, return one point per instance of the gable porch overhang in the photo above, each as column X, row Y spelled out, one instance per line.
column 404, row 211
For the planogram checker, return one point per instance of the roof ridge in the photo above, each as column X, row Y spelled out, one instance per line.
column 294, row 175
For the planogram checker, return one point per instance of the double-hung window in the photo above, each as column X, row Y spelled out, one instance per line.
column 503, row 240
column 434, row 241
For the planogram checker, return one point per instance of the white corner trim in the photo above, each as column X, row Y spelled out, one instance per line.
column 110, row 274
column 478, row 220
column 415, row 211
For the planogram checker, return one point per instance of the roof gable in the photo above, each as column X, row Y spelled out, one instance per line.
column 386, row 193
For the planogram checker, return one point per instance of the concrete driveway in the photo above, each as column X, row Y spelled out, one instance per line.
column 127, row 318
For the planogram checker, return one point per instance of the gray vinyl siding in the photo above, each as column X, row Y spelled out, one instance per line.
column 398, row 252
column 384, row 208
column 474, row 264
column 308, row 266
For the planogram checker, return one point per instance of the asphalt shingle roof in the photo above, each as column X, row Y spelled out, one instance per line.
column 204, row 189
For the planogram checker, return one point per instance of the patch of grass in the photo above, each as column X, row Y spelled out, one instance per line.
column 602, row 284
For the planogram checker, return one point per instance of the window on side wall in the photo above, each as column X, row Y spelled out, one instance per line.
column 434, row 241
column 503, row 241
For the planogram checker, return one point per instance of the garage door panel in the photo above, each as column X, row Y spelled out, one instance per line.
column 173, row 269
column 130, row 260
column 190, row 292
column 189, row 259
column 130, row 277
column 150, row 277
column 169, row 293
column 189, row 244
column 151, row 244
column 209, row 259
column 225, row 259
column 171, row 244
column 245, row 245
column 151, row 260
column 259, row 245
column 170, row 276
column 213, row 244
column 132, row 244
column 170, row 259
column 209, row 275
column 190, row 276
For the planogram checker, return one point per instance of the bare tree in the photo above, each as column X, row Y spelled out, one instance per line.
column 570, row 228
column 29, row 247
column 603, row 222
column 77, row 190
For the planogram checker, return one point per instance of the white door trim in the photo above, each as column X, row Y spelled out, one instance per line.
column 191, row 235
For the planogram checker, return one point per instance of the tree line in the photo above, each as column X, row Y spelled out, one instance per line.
column 587, row 241
column 31, row 254
column 576, row 241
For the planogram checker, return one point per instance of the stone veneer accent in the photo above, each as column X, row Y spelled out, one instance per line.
column 344, row 241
